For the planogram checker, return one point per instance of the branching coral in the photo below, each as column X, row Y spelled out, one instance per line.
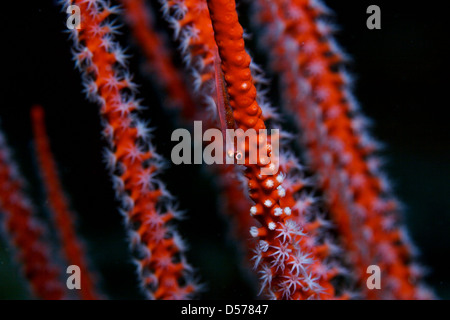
column 306, row 235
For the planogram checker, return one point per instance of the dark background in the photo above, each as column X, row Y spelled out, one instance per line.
column 402, row 81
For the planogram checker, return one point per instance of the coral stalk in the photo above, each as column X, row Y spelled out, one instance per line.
column 338, row 145
column 288, row 265
column 192, row 27
column 25, row 232
column 58, row 204
column 147, row 206
column 158, row 56
column 192, row 24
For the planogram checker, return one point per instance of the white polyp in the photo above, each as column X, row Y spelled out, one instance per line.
column 269, row 183
column 280, row 178
column 278, row 211
column 263, row 245
column 268, row 203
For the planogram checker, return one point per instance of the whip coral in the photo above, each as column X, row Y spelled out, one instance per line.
column 25, row 231
column 338, row 145
column 281, row 242
column 131, row 158
column 64, row 219
column 310, row 219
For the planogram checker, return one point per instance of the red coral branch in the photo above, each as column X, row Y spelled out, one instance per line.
column 158, row 56
column 288, row 264
column 147, row 206
column 25, row 232
column 338, row 145
column 58, row 204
